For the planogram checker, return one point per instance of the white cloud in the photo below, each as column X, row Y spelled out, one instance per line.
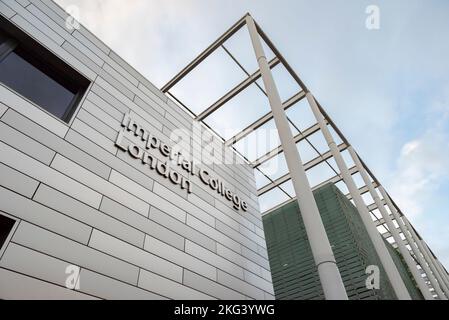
column 146, row 33
column 422, row 167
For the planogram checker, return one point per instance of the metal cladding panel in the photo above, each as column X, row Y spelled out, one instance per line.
column 127, row 228
column 294, row 272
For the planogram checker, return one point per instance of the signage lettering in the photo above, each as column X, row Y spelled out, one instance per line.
column 164, row 169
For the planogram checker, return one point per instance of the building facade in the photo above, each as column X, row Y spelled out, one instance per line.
column 294, row 273
column 97, row 201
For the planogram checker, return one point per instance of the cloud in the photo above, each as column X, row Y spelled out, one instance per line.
column 423, row 167
column 147, row 33
column 420, row 181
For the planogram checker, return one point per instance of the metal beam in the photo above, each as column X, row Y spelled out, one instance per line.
column 411, row 237
column 373, row 206
column 235, row 91
column 298, row 138
column 279, row 55
column 362, row 191
column 309, row 165
column 242, row 67
column 436, row 268
column 330, row 278
column 264, row 119
column 381, row 221
column 387, row 261
column 222, row 39
column 443, row 270
column 389, row 222
column 334, row 180
column 418, row 250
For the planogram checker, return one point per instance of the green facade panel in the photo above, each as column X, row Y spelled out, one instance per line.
column 293, row 269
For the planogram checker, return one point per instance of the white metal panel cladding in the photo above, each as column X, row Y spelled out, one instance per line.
column 81, row 201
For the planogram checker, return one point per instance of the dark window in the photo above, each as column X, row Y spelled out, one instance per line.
column 2, row 39
column 6, row 225
column 35, row 73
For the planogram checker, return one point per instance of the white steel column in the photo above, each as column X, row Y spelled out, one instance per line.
column 446, row 276
column 440, row 275
column 394, row 232
column 328, row 272
column 411, row 240
column 387, row 261
column 440, row 268
column 439, row 287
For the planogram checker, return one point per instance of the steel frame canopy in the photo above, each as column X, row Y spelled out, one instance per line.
column 382, row 218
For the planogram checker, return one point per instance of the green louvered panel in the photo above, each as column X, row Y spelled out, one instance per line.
column 292, row 266
column 406, row 275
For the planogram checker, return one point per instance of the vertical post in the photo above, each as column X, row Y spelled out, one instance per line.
column 443, row 271
column 387, row 261
column 394, row 232
column 439, row 287
column 411, row 240
column 324, row 258
column 437, row 268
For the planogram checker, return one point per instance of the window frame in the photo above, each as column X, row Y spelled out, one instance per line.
column 11, row 232
column 19, row 42
column 7, row 47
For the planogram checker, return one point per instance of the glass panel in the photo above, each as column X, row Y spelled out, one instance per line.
column 2, row 38
column 6, row 225
column 3, row 47
column 34, row 84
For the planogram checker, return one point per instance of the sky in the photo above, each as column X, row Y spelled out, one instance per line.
column 387, row 89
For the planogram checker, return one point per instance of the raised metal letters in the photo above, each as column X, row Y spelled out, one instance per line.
column 164, row 169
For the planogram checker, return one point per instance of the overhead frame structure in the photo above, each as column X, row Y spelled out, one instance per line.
column 430, row 275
